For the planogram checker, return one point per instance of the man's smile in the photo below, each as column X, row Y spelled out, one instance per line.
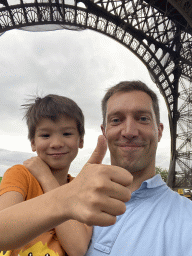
column 135, row 144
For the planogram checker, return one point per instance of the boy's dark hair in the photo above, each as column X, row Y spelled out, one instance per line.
column 52, row 107
column 128, row 86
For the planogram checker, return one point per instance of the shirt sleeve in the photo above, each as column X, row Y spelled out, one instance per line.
column 17, row 179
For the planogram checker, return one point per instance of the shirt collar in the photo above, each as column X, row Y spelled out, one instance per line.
column 153, row 182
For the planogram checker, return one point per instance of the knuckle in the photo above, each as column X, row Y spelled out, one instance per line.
column 100, row 182
column 101, row 185
column 90, row 217
column 94, row 200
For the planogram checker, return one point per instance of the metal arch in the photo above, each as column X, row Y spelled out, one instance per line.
column 153, row 32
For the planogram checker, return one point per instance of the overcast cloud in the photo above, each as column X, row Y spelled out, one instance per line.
column 79, row 65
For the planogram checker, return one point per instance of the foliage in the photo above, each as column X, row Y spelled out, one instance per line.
column 162, row 172
column 0, row 179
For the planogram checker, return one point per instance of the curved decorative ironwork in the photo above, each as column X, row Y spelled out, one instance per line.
column 154, row 30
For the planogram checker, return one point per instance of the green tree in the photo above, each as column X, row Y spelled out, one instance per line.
column 162, row 172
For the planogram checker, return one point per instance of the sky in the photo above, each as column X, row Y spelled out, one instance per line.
column 79, row 65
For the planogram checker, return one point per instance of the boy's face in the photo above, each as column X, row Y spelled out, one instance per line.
column 57, row 143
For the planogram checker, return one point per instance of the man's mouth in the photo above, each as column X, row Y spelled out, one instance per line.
column 130, row 148
column 130, row 145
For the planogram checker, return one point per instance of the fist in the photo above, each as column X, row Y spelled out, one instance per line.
column 99, row 192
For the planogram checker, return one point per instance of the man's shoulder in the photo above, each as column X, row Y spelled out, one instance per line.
column 180, row 204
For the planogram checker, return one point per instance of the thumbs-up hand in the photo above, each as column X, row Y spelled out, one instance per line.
column 99, row 192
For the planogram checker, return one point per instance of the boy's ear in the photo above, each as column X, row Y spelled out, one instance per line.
column 33, row 146
column 81, row 142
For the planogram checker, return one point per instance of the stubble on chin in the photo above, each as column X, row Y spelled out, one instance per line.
column 130, row 163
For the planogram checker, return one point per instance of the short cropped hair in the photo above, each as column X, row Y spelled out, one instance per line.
column 52, row 107
column 128, row 86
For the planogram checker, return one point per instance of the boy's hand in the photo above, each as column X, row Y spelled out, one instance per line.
column 38, row 168
column 98, row 194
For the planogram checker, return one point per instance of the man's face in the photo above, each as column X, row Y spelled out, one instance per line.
column 131, row 131
column 57, row 143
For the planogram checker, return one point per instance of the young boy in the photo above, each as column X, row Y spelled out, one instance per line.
column 56, row 131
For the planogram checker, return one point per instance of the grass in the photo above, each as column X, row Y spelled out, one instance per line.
column 0, row 179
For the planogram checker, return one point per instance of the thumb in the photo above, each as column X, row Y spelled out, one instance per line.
column 99, row 152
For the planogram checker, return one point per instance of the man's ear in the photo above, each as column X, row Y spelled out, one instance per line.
column 33, row 146
column 160, row 131
column 103, row 130
column 81, row 142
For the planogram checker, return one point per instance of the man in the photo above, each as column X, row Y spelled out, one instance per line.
column 157, row 221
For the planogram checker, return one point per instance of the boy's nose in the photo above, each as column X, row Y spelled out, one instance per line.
column 130, row 129
column 56, row 142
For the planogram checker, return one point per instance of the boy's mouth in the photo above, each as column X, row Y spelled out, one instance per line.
column 58, row 154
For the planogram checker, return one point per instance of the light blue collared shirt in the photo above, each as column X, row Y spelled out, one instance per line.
column 157, row 222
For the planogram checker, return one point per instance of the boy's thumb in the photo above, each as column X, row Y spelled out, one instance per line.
column 99, row 152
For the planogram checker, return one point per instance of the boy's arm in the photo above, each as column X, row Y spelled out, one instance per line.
column 22, row 221
column 73, row 235
column 95, row 197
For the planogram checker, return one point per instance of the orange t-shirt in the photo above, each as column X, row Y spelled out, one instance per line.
column 19, row 179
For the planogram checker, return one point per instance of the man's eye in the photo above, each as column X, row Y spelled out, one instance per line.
column 144, row 119
column 115, row 120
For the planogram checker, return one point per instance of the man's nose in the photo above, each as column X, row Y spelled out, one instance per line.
column 130, row 128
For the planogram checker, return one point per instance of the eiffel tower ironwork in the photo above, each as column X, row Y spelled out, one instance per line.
column 158, row 32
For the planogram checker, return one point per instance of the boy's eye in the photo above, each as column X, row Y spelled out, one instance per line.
column 45, row 135
column 67, row 133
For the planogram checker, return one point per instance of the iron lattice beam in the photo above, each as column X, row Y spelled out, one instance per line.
column 156, row 31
